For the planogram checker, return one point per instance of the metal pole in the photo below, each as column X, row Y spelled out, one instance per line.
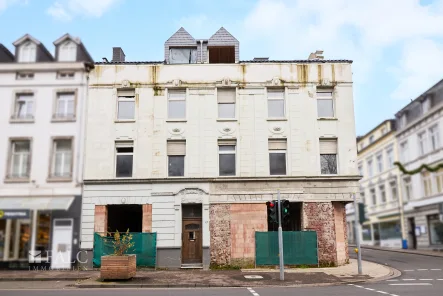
column 357, row 237
column 280, row 240
column 404, row 234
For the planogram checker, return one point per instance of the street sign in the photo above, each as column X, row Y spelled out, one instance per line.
column 14, row 214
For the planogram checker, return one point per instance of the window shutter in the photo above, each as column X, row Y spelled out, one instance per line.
column 177, row 94
column 328, row 146
column 126, row 93
column 277, row 144
column 226, row 95
column 176, row 147
column 124, row 144
column 276, row 93
column 226, row 142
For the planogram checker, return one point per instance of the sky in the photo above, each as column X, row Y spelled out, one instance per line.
column 396, row 45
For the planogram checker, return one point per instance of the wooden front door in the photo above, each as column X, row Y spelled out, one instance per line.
column 192, row 241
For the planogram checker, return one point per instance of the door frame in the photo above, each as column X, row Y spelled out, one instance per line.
column 54, row 228
column 200, row 220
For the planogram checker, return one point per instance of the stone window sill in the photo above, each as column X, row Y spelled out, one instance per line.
column 21, row 120
column 58, row 179
column 277, row 119
column 227, row 119
column 327, row 118
column 63, row 120
column 17, row 180
column 176, row 120
column 124, row 120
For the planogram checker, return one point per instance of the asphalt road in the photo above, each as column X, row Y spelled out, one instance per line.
column 421, row 275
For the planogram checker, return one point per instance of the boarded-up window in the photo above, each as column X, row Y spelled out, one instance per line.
column 222, row 54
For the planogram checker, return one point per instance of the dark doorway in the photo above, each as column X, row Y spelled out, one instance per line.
column 412, row 235
column 222, row 54
column 294, row 221
column 192, row 249
column 124, row 217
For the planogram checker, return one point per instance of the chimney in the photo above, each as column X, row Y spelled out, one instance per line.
column 261, row 59
column 317, row 55
column 117, row 54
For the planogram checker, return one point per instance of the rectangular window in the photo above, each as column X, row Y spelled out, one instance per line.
column 65, row 106
column 325, row 104
column 183, row 55
column 435, row 230
column 370, row 169
column 277, row 157
column 373, row 196
column 422, row 143
column 27, row 52
column 276, row 103
column 62, row 158
column 390, row 156
column 371, row 139
column 439, row 180
column 427, row 184
column 67, row 52
column 24, row 106
column 380, row 162
column 393, row 186
column 126, row 104
column 65, row 75
column 362, row 197
column 226, row 158
column 328, row 156
column 124, row 153
column 177, row 104
column 382, row 193
column 404, row 150
column 24, row 76
column 176, row 158
column 20, row 159
column 408, row 188
column 383, row 130
column 226, row 103
column 434, row 136
column 360, row 169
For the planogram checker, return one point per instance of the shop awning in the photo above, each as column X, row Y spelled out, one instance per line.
column 36, row 203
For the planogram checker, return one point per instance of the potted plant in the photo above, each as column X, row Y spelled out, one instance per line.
column 119, row 265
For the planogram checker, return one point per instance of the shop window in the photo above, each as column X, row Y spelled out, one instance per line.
column 43, row 234
column 435, row 230
column 2, row 238
column 366, row 231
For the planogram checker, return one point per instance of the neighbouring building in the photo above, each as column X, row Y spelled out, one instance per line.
column 43, row 99
column 379, row 188
column 194, row 146
column 418, row 137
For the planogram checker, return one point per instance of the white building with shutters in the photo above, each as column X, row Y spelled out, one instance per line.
column 43, row 100
column 192, row 149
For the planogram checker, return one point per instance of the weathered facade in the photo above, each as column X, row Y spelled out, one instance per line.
column 194, row 147
column 43, row 101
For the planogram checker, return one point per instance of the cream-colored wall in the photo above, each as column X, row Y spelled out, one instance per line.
column 151, row 129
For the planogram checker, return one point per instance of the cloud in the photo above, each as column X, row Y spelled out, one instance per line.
column 66, row 10
column 4, row 4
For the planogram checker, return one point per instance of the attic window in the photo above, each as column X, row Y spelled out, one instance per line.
column 24, row 76
column 222, row 54
column 183, row 55
column 65, row 75
column 27, row 52
column 67, row 52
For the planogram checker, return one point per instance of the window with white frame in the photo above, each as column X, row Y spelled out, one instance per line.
column 20, row 159
column 325, row 104
column 67, row 52
column 226, row 157
column 27, row 52
column 176, row 158
column 382, row 190
column 390, row 157
column 328, row 156
column 370, row 168
column 422, row 143
column 393, row 185
column 65, row 75
column 380, row 162
column 439, row 180
column 425, row 105
column 124, row 154
column 427, row 183
column 126, row 104
column 24, row 76
column 362, row 197
column 277, row 156
column 373, row 196
column 371, row 139
column 62, row 158
column 434, row 137
column 226, row 103
column 360, row 169
column 24, row 106
column 404, row 151
column 407, row 185
column 276, row 103
column 383, row 130
column 65, row 105
column 177, row 104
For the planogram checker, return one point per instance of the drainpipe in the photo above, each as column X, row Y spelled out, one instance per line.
column 404, row 235
column 201, row 51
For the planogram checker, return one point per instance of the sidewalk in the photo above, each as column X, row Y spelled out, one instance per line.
column 408, row 251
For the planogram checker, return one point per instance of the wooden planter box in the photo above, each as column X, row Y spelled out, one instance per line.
column 118, row 267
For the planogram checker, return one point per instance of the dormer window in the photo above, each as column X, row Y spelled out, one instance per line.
column 67, row 52
column 182, row 55
column 425, row 105
column 27, row 52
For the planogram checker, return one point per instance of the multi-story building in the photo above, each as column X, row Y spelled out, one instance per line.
column 418, row 137
column 41, row 143
column 193, row 147
column 379, row 188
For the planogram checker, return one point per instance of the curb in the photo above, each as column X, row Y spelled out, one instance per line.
column 394, row 273
column 41, row 279
column 403, row 251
